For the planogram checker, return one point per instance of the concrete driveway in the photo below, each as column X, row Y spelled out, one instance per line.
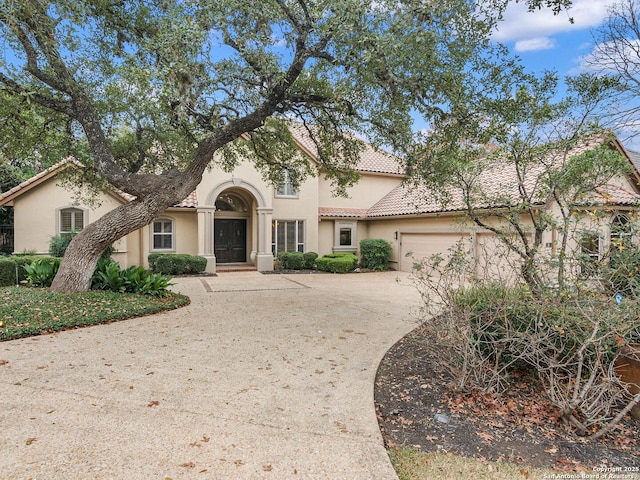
column 261, row 377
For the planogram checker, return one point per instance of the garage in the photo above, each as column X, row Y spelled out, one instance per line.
column 416, row 246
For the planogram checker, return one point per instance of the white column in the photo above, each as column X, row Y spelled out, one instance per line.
column 205, row 236
column 264, row 257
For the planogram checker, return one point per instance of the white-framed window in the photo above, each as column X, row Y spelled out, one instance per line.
column 345, row 236
column 285, row 188
column 621, row 234
column 70, row 220
column 163, row 234
column 287, row 236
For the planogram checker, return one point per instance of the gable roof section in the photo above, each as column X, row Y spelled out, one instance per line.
column 372, row 160
column 500, row 188
column 7, row 197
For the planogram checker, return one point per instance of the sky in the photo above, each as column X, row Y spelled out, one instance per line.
column 547, row 41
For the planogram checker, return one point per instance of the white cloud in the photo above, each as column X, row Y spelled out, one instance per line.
column 535, row 44
column 520, row 24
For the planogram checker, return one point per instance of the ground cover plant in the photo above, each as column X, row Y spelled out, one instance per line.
column 30, row 311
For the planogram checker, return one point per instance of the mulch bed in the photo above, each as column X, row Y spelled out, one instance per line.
column 414, row 396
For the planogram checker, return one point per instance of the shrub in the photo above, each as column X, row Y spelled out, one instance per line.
column 337, row 262
column 58, row 244
column 282, row 260
column 310, row 259
column 40, row 272
column 135, row 279
column 296, row 261
column 176, row 263
column 375, row 254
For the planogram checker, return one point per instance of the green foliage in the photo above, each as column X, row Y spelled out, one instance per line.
column 58, row 245
column 282, row 260
column 374, row 254
column 310, row 259
column 41, row 272
column 295, row 260
column 108, row 276
column 176, row 263
column 8, row 268
column 135, row 279
column 31, row 311
column 623, row 273
column 337, row 262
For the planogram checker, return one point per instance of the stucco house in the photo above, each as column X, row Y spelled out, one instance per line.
column 238, row 218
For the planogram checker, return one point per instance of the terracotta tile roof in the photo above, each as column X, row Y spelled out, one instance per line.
column 499, row 186
column 190, row 202
column 371, row 159
column 49, row 171
column 329, row 212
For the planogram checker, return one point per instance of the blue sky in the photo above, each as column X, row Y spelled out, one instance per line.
column 546, row 41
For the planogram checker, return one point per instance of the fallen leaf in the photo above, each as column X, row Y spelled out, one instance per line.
column 153, row 403
column 188, row 465
column 524, row 473
column 267, row 468
column 485, row 436
column 238, row 462
column 552, row 450
column 431, row 438
column 31, row 440
column 4, row 362
column 205, row 439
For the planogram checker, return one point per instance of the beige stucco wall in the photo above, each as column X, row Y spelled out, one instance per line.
column 364, row 194
column 185, row 238
column 36, row 213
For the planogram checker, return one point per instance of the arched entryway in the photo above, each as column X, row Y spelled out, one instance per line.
column 234, row 226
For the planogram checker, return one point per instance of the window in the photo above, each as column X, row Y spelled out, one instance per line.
column 287, row 236
column 345, row 238
column 620, row 232
column 162, row 234
column 71, row 220
column 229, row 202
column 286, row 188
column 589, row 254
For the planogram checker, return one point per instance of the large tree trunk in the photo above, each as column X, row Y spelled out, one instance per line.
column 81, row 257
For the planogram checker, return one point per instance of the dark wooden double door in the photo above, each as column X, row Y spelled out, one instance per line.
column 230, row 240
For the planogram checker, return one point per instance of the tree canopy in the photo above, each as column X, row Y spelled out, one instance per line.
column 156, row 91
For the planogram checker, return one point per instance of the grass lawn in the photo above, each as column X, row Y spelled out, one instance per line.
column 413, row 465
column 25, row 312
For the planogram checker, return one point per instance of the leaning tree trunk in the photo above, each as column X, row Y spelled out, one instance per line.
column 82, row 254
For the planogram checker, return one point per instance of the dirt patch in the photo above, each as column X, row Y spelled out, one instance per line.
column 418, row 407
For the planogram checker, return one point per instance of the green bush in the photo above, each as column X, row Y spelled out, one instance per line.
column 176, row 263
column 337, row 262
column 58, row 244
column 310, row 259
column 282, row 260
column 135, row 279
column 41, row 272
column 375, row 254
column 296, row 261
column 8, row 268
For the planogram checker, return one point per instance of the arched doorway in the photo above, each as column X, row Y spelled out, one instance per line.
column 231, row 226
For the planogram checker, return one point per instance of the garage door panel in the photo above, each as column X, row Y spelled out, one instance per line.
column 417, row 246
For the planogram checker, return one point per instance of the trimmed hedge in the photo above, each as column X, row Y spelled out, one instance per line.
column 337, row 262
column 295, row 260
column 176, row 263
column 8, row 268
column 375, row 254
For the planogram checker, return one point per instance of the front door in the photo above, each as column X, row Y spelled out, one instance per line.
column 230, row 240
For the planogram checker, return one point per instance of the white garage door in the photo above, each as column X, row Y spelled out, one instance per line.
column 416, row 246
